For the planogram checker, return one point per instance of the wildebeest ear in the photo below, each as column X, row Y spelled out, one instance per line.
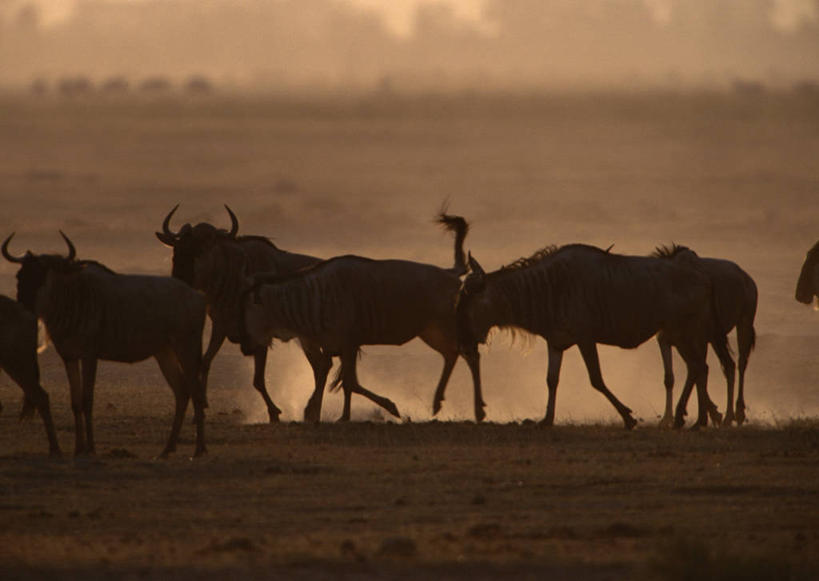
column 475, row 267
column 166, row 239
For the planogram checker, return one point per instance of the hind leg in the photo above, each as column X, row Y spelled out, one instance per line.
column 552, row 379
column 350, row 385
column 26, row 374
column 729, row 371
column 171, row 370
column 668, row 380
column 590, row 358
column 260, row 361
column 745, row 339
column 321, row 362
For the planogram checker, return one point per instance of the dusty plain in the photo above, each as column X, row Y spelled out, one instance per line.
column 731, row 176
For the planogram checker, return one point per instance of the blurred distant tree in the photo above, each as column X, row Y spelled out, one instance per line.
column 115, row 85
column 74, row 86
column 39, row 87
column 156, row 84
column 199, row 85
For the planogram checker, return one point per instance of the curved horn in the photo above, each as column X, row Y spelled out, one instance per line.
column 166, row 224
column 475, row 267
column 6, row 254
column 234, row 223
column 72, row 252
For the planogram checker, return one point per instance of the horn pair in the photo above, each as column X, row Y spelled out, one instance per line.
column 166, row 224
column 72, row 252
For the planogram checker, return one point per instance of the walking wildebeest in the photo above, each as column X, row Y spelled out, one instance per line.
column 808, row 285
column 18, row 357
column 222, row 281
column 92, row 313
column 735, row 297
column 582, row 295
column 350, row 301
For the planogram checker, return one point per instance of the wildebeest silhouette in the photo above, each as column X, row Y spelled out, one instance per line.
column 92, row 313
column 735, row 296
column 807, row 286
column 216, row 261
column 582, row 295
column 349, row 301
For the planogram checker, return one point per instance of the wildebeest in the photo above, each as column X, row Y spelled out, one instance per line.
column 582, row 295
column 215, row 261
column 349, row 301
column 18, row 357
column 92, row 313
column 735, row 297
column 807, row 286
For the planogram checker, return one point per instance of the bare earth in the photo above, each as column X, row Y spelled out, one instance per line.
column 452, row 500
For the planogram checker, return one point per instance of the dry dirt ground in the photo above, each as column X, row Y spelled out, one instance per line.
column 380, row 500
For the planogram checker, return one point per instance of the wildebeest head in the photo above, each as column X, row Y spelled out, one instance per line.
column 34, row 269
column 191, row 242
column 808, row 285
column 471, row 309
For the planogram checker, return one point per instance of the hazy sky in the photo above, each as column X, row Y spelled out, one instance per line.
column 415, row 43
column 399, row 14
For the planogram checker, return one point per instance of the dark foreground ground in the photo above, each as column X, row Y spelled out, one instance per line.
column 453, row 500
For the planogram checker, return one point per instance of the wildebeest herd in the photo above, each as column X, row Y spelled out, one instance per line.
column 255, row 292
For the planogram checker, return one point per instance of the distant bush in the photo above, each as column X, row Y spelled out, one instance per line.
column 115, row 85
column 198, row 84
column 38, row 87
column 748, row 88
column 74, row 86
column 155, row 85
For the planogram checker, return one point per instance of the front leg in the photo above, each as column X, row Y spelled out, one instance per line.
column 260, row 361
column 590, row 358
column 89, row 376
column 72, row 370
column 217, row 337
column 473, row 360
column 552, row 379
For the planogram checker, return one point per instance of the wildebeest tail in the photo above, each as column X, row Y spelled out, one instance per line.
column 460, row 227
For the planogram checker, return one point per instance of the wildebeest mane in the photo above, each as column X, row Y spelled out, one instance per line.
column 527, row 261
column 101, row 266
column 665, row 251
column 256, row 238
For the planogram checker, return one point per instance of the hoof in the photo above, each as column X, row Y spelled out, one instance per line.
column 391, row 408
column 436, row 407
column 740, row 417
column 479, row 415
column 629, row 422
column 544, row 423
column 666, row 423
